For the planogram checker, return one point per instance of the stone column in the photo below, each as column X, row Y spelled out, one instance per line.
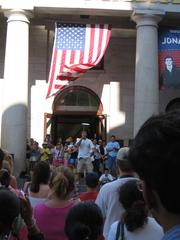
column 15, row 87
column 117, row 117
column 146, row 100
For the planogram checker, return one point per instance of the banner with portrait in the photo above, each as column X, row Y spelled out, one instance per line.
column 169, row 58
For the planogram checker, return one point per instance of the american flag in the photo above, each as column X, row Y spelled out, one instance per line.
column 77, row 48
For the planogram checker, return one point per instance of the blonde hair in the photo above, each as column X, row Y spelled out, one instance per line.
column 9, row 159
column 62, row 182
column 6, row 165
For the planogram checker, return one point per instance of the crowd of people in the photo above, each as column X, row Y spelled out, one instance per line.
column 139, row 202
column 82, row 154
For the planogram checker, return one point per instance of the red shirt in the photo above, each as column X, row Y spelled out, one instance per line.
column 88, row 196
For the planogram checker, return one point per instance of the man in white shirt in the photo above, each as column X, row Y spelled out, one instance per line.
column 85, row 148
column 108, row 197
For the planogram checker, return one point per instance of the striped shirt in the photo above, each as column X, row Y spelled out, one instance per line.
column 173, row 233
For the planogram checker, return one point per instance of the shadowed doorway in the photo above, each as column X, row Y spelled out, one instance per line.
column 76, row 108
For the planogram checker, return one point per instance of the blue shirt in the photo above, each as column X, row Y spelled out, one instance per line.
column 110, row 148
column 173, row 233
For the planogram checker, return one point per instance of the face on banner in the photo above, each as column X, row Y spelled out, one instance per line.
column 169, row 58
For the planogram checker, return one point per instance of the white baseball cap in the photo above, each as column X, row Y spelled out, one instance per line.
column 122, row 153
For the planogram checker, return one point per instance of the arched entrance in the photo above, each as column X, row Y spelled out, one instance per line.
column 76, row 108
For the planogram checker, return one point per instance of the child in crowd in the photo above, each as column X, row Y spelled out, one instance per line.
column 57, row 153
column 106, row 177
column 73, row 153
column 92, row 182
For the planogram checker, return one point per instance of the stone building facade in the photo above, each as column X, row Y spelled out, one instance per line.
column 126, row 87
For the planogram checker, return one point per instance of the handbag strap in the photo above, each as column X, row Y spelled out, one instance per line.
column 120, row 231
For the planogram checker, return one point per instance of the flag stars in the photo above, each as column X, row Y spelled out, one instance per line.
column 70, row 36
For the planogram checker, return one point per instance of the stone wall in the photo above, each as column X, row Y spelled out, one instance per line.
column 114, row 85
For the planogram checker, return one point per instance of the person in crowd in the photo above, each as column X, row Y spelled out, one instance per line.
column 8, row 157
column 105, row 158
column 96, row 157
column 84, row 221
column 31, row 141
column 38, row 188
column 12, row 211
column 73, row 152
column 26, row 211
column 13, row 182
column 92, row 182
column 18, row 229
column 9, row 212
column 103, row 152
column 154, row 155
column 135, row 223
column 85, row 148
column 66, row 154
column 28, row 151
column 48, row 140
column 105, row 177
column 108, row 197
column 2, row 155
column 112, row 149
column 45, row 153
column 57, row 153
column 34, row 155
column 4, row 178
column 60, row 140
column 50, row 215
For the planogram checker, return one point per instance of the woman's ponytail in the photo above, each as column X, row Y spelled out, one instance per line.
column 135, row 216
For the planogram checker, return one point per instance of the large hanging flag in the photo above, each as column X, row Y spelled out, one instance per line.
column 77, row 48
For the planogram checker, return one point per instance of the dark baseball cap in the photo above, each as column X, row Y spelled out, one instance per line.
column 92, row 179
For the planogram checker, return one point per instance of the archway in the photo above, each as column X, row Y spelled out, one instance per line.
column 76, row 108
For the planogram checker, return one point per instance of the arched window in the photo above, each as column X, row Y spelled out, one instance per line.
column 77, row 99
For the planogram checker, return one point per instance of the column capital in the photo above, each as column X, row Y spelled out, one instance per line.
column 144, row 17
column 18, row 15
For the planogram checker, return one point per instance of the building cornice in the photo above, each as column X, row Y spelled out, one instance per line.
column 90, row 7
